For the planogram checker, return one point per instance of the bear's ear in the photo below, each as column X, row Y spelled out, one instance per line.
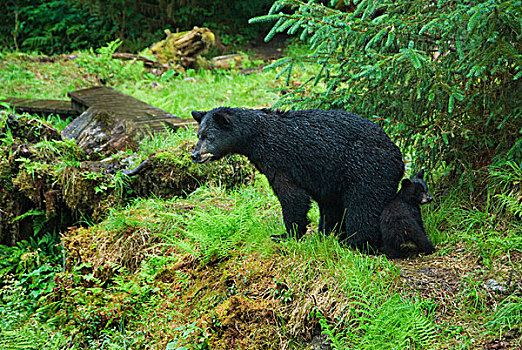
column 223, row 119
column 420, row 175
column 405, row 183
column 198, row 115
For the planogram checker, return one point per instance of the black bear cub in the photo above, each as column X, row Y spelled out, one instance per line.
column 402, row 229
column 344, row 162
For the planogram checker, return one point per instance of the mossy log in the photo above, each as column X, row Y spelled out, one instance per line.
column 48, row 184
column 171, row 172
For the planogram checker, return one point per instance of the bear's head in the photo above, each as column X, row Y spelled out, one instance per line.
column 415, row 190
column 217, row 135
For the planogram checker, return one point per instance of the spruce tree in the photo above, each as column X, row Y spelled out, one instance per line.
column 444, row 77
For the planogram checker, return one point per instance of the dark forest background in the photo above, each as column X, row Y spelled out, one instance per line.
column 55, row 27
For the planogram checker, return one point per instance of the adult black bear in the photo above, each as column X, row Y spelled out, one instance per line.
column 344, row 162
column 401, row 221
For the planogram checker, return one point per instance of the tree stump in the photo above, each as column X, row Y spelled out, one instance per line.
column 183, row 49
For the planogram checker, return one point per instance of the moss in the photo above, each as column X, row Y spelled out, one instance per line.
column 168, row 157
column 244, row 323
column 172, row 172
column 56, row 177
column 6, row 174
column 183, row 52
column 231, row 299
column 32, row 180
column 29, row 129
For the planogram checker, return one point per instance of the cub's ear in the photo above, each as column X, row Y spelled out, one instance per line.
column 405, row 183
column 223, row 119
column 198, row 115
column 420, row 174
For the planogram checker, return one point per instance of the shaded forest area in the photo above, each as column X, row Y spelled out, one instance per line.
column 60, row 26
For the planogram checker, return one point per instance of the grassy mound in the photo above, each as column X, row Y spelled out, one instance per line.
column 201, row 272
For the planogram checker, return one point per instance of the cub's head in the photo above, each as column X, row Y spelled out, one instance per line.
column 216, row 134
column 415, row 189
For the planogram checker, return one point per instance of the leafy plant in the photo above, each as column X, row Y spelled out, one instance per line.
column 333, row 335
column 191, row 337
column 59, row 26
column 107, row 69
column 214, row 231
column 508, row 314
column 51, row 26
column 507, row 178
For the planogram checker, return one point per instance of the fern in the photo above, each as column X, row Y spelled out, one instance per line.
column 12, row 340
column 423, row 329
column 29, row 213
column 336, row 338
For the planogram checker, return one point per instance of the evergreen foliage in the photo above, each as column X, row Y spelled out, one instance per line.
column 443, row 75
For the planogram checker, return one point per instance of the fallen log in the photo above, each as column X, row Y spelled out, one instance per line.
column 148, row 63
column 47, row 185
column 227, row 62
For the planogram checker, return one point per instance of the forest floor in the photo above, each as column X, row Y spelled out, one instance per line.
column 199, row 271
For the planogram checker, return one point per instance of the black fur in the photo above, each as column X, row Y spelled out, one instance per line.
column 402, row 229
column 344, row 162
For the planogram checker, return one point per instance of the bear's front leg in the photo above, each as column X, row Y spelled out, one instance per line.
column 422, row 241
column 331, row 218
column 295, row 204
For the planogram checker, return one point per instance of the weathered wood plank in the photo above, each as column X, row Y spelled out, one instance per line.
column 41, row 107
column 112, row 121
column 126, row 107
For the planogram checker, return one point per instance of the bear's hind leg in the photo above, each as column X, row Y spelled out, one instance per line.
column 391, row 252
column 422, row 241
column 362, row 225
column 392, row 242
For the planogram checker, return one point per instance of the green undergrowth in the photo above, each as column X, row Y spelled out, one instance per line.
column 201, row 272
column 51, row 184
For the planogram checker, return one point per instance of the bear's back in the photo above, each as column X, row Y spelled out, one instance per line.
column 328, row 152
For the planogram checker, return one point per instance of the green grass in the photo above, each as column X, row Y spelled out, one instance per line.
column 178, row 94
column 204, row 91
column 22, row 77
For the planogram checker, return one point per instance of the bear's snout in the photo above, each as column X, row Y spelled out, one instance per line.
column 196, row 158
column 199, row 157
column 426, row 198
